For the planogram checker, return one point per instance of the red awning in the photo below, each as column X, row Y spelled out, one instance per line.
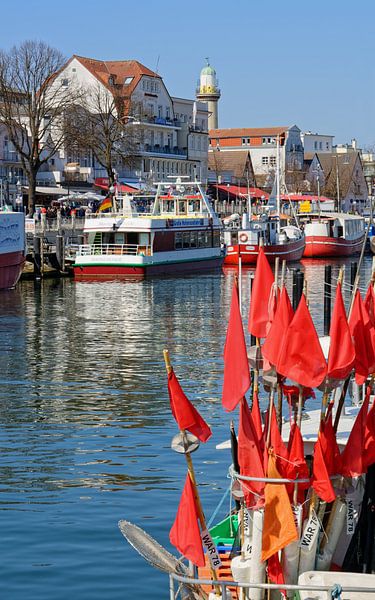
column 242, row 191
column 102, row 183
column 304, row 198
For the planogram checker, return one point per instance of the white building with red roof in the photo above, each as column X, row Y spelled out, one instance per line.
column 174, row 137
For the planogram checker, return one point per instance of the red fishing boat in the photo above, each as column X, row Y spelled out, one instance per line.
column 12, row 248
column 334, row 234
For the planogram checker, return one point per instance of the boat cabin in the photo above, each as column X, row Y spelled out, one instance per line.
column 335, row 226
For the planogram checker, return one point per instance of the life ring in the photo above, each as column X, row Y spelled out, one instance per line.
column 243, row 237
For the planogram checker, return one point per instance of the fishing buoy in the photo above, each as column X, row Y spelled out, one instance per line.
column 353, row 508
column 336, row 524
column 309, row 543
column 290, row 554
column 241, row 569
column 214, row 596
column 258, row 568
column 247, row 535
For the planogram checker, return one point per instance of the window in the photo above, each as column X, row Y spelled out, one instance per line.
column 315, row 145
column 320, row 145
column 128, row 80
column 167, row 112
column 243, row 141
column 160, row 111
column 65, row 82
column 273, row 161
column 264, row 160
column 327, row 145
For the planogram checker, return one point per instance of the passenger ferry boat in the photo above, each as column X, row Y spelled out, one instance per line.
column 12, row 248
column 333, row 234
column 175, row 232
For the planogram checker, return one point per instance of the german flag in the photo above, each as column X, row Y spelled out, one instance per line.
column 105, row 204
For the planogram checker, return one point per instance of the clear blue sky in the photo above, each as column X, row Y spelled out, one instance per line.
column 279, row 62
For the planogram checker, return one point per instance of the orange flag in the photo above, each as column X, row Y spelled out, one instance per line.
column 301, row 357
column 236, row 364
column 279, row 528
column 187, row 417
column 250, row 457
column 273, row 342
column 185, row 534
column 341, row 355
column 352, row 464
column 261, row 302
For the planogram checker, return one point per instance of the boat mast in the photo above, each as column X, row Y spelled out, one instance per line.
column 278, row 181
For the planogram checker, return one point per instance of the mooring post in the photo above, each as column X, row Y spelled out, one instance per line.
column 60, row 252
column 37, row 256
column 327, row 298
column 299, row 286
column 353, row 273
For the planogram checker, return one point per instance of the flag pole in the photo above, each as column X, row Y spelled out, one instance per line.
column 190, row 467
column 279, row 390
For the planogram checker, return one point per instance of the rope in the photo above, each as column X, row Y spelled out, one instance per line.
column 336, row 591
column 218, row 506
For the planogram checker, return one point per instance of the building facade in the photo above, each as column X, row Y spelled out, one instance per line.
column 173, row 136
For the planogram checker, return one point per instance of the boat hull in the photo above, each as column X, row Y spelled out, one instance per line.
column 11, row 266
column 125, row 271
column 325, row 246
column 290, row 252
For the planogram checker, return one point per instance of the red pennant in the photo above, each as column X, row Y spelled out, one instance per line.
column 362, row 333
column 283, row 317
column 370, row 303
column 250, row 458
column 279, row 448
column 368, row 454
column 321, row 481
column 185, row 534
column 260, row 303
column 236, row 364
column 301, row 357
column 187, row 417
column 341, row 355
column 330, row 449
column 297, row 467
column 351, row 458
column 257, row 420
column 275, row 572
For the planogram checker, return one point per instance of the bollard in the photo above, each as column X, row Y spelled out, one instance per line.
column 353, row 272
column 37, row 257
column 327, row 298
column 60, row 252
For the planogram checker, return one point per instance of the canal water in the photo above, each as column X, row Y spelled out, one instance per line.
column 85, row 424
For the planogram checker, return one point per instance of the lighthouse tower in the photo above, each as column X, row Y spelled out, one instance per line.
column 208, row 91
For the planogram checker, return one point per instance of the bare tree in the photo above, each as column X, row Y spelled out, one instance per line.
column 33, row 104
column 217, row 165
column 104, row 129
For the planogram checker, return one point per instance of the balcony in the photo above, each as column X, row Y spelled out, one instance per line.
column 159, row 121
column 163, row 150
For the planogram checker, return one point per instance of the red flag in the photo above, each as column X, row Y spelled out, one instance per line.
column 362, row 332
column 273, row 342
column 341, row 355
column 250, row 458
column 351, row 458
column 370, row 303
column 368, row 454
column 257, row 420
column 330, row 449
column 260, row 303
column 187, row 417
column 236, row 364
column 321, row 481
column 276, row 442
column 185, row 534
column 301, row 357
column 297, row 467
column 275, row 572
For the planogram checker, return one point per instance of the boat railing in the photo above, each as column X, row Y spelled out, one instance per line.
column 332, row 591
column 111, row 249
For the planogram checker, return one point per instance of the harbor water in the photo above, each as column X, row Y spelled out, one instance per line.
column 86, row 427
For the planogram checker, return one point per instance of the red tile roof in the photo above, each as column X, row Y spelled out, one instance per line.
column 247, row 132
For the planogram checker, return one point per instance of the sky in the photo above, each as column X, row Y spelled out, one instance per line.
column 310, row 64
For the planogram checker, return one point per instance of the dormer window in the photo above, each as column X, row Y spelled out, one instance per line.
column 111, row 80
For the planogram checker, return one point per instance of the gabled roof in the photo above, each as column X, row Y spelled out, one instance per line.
column 119, row 70
column 338, row 165
column 247, row 132
column 237, row 162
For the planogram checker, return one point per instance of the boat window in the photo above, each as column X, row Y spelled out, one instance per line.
column 201, row 239
column 193, row 239
column 186, row 239
column 216, row 243
column 178, row 240
column 182, row 207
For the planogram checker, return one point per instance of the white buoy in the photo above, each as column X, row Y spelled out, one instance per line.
column 309, row 543
column 290, row 554
column 258, row 568
column 337, row 518
column 353, row 508
column 214, row 596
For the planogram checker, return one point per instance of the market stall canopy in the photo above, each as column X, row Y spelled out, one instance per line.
column 242, row 191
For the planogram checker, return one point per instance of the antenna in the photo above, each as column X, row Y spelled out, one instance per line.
column 157, row 64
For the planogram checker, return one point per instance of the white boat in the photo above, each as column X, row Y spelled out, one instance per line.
column 333, row 234
column 177, row 231
column 12, row 247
